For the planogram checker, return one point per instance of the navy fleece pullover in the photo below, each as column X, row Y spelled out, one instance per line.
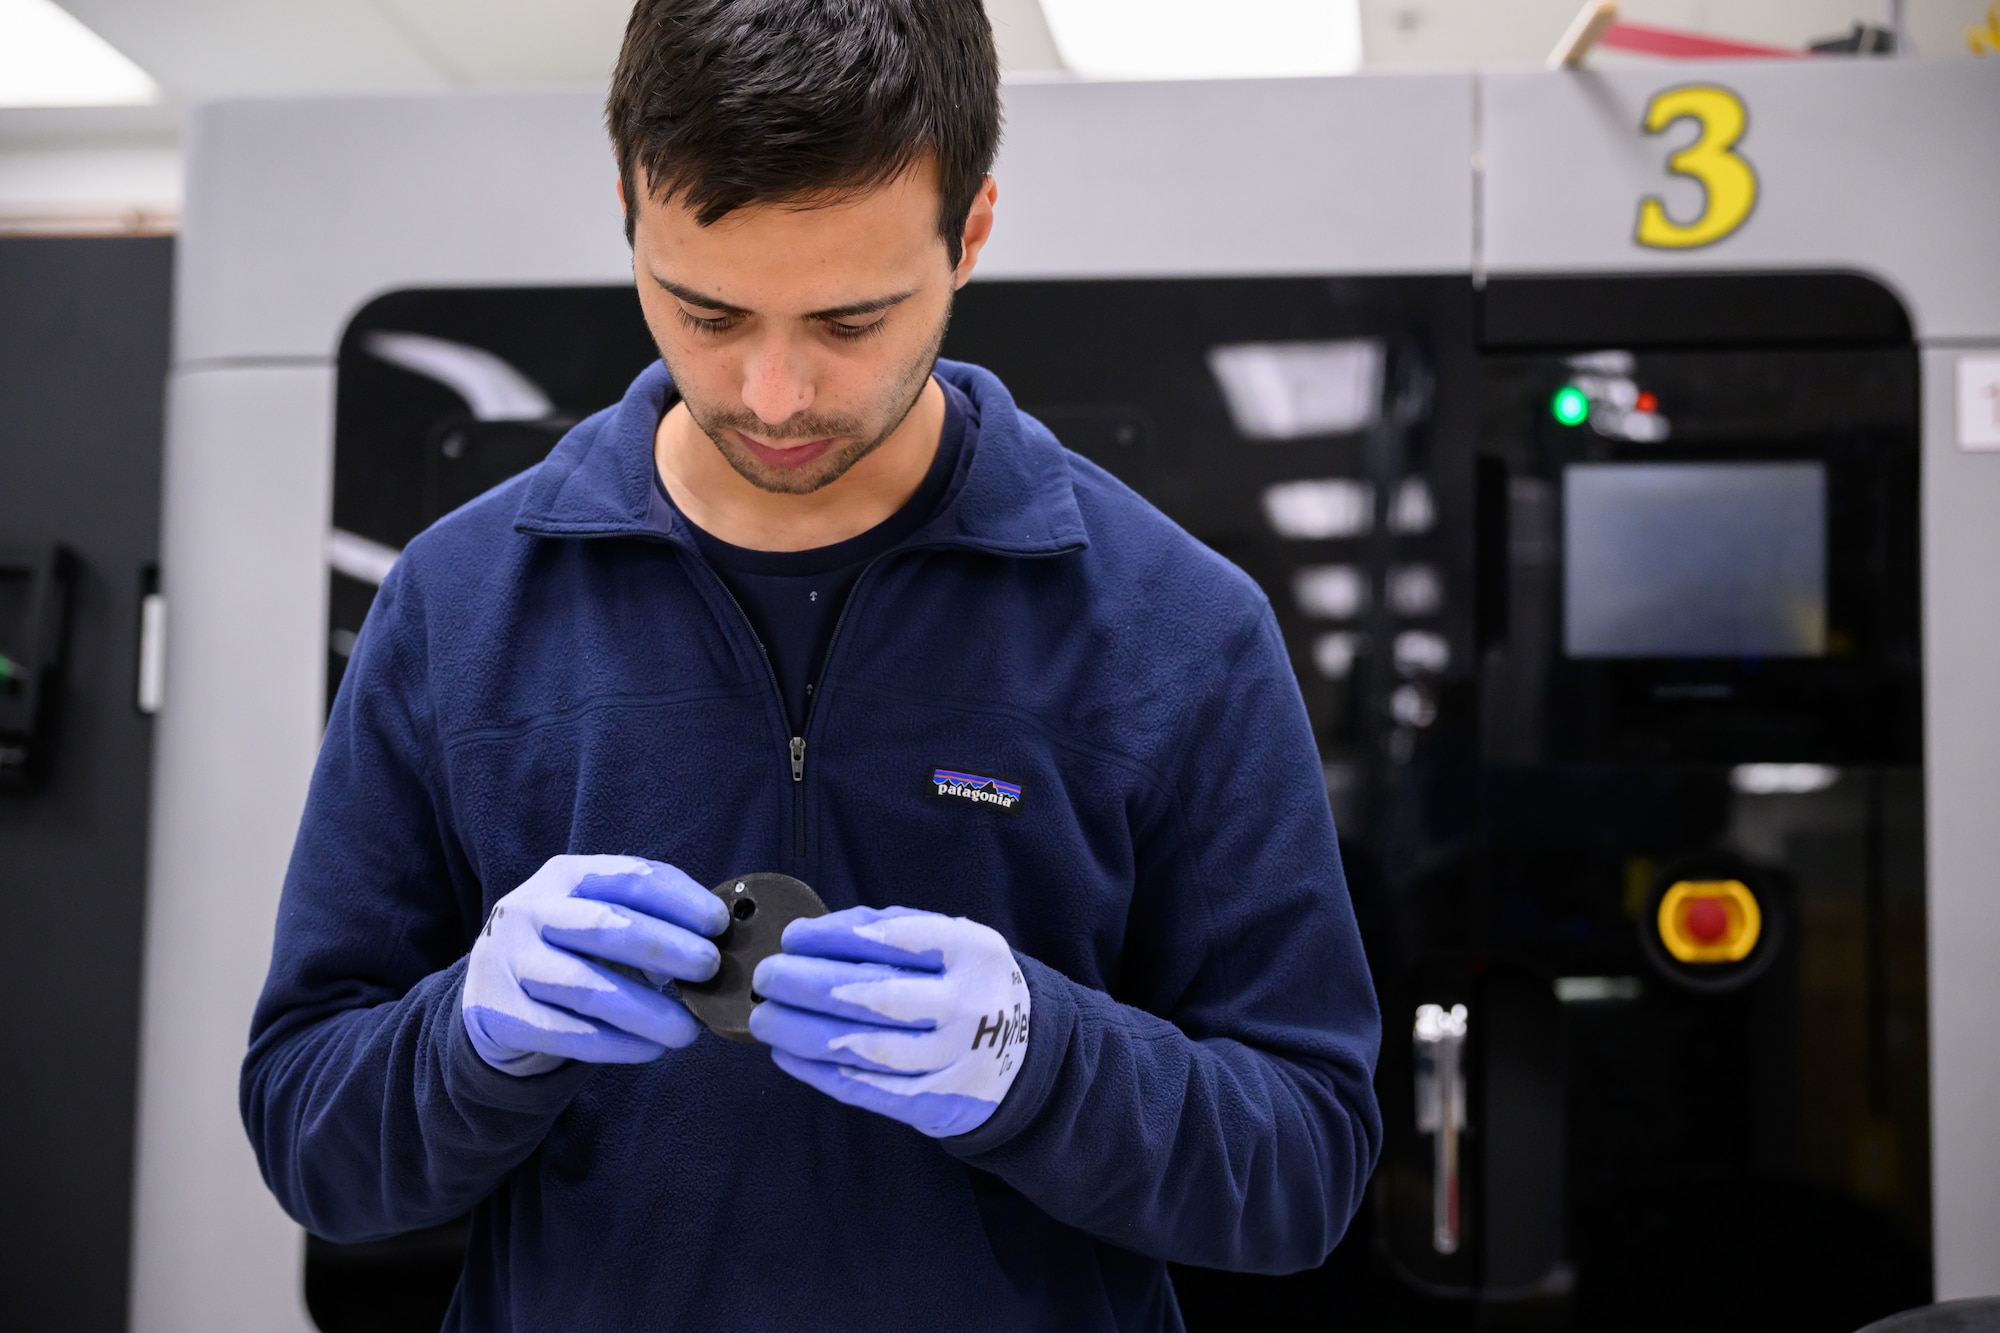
column 554, row 669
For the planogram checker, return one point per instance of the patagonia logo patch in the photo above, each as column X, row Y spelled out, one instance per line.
column 951, row 785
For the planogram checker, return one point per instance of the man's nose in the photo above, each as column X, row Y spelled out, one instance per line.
column 776, row 385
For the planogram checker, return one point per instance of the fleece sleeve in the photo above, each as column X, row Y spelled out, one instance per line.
column 369, row 1111
column 1220, row 1110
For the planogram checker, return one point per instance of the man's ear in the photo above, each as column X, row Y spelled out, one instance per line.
column 622, row 206
column 978, row 229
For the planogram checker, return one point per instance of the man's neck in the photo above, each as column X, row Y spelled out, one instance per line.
column 714, row 497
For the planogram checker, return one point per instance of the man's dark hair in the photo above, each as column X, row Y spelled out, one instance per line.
column 719, row 104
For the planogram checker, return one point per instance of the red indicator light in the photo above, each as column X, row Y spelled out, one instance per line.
column 1648, row 401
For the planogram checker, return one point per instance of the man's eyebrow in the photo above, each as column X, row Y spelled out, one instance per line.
column 693, row 297
column 851, row 311
column 875, row 306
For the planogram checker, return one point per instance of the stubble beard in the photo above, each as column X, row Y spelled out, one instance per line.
column 824, row 471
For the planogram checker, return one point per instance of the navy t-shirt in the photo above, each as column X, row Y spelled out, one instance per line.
column 794, row 598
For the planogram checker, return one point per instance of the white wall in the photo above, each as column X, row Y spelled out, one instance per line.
column 131, row 188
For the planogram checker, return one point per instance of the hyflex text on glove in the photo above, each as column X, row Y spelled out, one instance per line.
column 913, row 1015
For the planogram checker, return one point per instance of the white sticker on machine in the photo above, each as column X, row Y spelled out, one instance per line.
column 1979, row 402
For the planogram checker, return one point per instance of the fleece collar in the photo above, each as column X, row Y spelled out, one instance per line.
column 1015, row 498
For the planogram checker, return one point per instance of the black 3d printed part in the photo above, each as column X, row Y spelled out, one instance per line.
column 760, row 907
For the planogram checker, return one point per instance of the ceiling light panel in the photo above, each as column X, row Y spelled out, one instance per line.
column 1193, row 39
column 48, row 58
column 489, row 43
column 1289, row 390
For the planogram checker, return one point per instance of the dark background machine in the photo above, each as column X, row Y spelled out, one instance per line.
column 1650, row 631
column 83, row 363
column 1602, row 596
column 1607, row 596
column 1444, row 360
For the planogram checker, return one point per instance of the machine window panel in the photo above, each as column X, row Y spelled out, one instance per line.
column 1694, row 560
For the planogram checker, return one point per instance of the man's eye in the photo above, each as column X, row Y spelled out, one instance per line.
column 704, row 323
column 851, row 332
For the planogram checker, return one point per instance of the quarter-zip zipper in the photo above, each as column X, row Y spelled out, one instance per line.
column 799, row 794
column 812, row 706
column 797, row 747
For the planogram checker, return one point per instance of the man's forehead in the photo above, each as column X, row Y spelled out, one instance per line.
column 840, row 257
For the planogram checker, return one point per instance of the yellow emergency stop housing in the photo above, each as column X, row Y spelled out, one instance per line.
column 1743, row 922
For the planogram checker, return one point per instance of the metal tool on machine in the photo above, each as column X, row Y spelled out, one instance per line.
column 1440, row 1044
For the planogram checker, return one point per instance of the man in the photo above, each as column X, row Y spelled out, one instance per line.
column 809, row 600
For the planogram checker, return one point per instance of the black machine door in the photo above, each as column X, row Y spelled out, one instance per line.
column 1701, row 799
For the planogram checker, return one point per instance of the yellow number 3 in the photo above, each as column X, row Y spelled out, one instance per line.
column 1726, row 179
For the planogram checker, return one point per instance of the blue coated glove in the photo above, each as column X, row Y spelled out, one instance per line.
column 919, row 1017
column 551, row 977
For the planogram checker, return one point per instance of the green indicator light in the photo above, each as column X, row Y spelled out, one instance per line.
column 1569, row 405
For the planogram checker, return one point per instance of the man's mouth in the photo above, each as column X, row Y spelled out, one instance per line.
column 786, row 456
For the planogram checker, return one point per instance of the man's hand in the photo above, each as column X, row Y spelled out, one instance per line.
column 533, row 999
column 916, row 1016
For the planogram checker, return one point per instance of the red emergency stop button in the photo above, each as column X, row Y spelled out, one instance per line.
column 1706, row 921
column 1710, row 921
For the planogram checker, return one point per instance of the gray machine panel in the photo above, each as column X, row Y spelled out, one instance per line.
column 1878, row 166
column 1272, row 176
column 299, row 211
column 1962, row 769
column 245, row 578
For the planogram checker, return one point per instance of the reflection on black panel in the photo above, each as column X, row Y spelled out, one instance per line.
column 1694, row 559
column 440, row 396
column 1304, row 428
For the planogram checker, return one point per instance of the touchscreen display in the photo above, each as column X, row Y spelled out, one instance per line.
column 1694, row 560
